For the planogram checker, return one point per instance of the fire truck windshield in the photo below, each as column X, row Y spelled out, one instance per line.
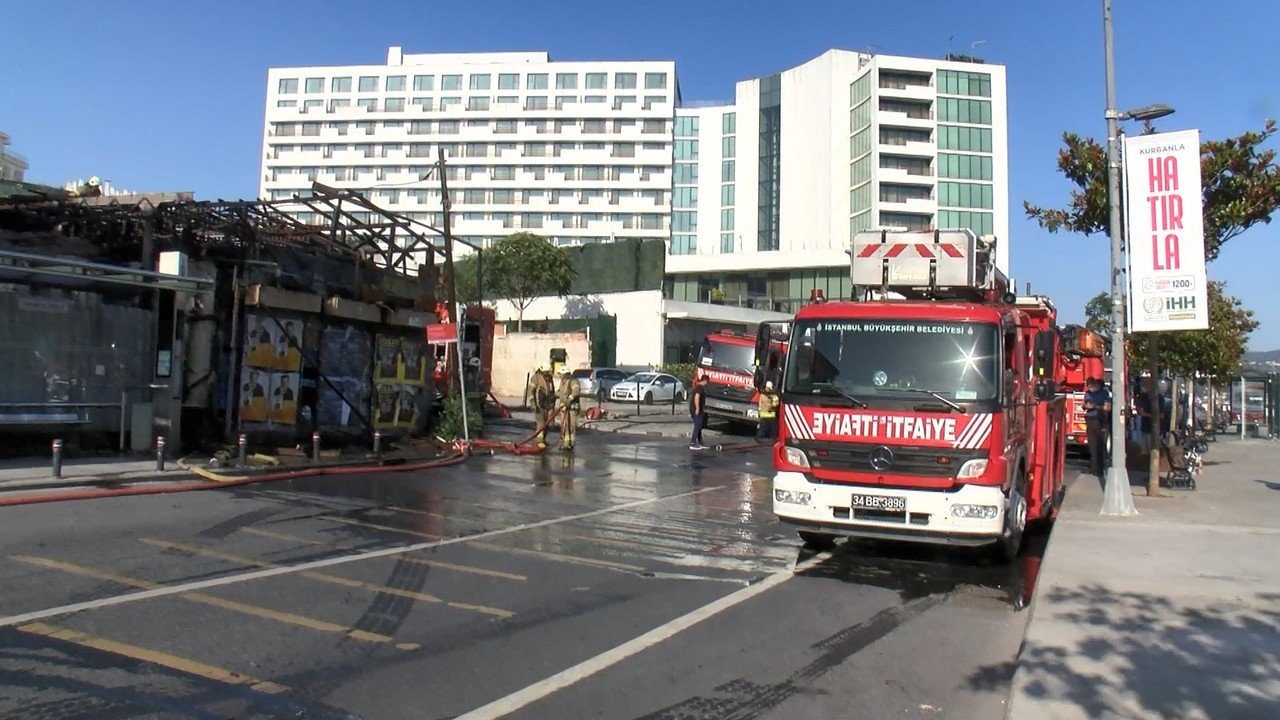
column 727, row 356
column 887, row 358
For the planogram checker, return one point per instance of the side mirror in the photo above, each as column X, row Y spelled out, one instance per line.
column 1046, row 389
column 1044, row 354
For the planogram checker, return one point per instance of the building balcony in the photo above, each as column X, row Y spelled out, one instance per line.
column 910, row 147
column 915, row 206
column 893, row 118
column 907, row 91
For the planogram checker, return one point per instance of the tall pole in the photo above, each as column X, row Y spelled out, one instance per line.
column 1118, row 497
column 448, row 241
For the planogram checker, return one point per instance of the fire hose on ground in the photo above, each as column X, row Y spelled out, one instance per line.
column 218, row 480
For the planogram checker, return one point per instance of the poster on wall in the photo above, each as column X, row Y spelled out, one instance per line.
column 254, row 387
column 259, row 341
column 284, row 398
column 388, row 367
column 288, row 354
column 386, row 405
column 413, row 362
column 346, row 358
column 271, row 372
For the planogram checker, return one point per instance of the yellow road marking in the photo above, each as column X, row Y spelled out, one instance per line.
column 497, row 548
column 173, row 662
column 267, row 613
column 334, row 579
column 410, row 558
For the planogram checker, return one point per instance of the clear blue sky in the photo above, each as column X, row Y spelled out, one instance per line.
column 169, row 96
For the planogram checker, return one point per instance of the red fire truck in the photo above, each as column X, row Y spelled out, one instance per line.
column 727, row 360
column 931, row 418
column 1081, row 358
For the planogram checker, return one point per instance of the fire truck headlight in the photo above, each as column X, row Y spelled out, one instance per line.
column 794, row 497
column 974, row 512
column 795, row 456
column 972, row 469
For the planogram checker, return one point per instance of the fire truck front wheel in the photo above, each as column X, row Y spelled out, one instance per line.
column 1015, row 522
column 816, row 540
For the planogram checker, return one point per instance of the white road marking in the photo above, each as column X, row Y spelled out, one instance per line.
column 326, row 562
column 585, row 669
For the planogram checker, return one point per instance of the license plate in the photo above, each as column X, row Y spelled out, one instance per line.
column 719, row 405
column 879, row 502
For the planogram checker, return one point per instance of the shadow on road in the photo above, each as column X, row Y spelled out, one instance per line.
column 918, row 570
column 1170, row 661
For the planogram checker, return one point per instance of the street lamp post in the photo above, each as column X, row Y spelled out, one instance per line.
column 1118, row 498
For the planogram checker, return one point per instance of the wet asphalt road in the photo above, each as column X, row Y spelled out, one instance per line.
column 521, row 568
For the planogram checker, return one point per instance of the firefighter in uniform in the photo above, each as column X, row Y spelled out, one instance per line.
column 570, row 406
column 544, row 402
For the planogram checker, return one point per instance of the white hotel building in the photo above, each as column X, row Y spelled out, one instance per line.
column 757, row 199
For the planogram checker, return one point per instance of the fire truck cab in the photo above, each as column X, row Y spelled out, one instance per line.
column 926, row 412
column 728, row 360
column 1082, row 357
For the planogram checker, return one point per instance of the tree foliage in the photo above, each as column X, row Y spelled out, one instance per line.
column 1097, row 313
column 1241, row 187
column 524, row 266
column 1217, row 351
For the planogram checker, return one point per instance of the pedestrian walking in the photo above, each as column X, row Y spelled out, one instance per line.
column 570, row 407
column 1097, row 418
column 767, row 429
column 698, row 411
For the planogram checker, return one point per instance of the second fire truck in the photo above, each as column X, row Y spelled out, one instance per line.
column 931, row 418
column 1082, row 357
column 727, row 361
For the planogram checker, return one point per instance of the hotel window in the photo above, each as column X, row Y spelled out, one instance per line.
column 314, row 85
column 566, row 81
column 395, row 83
column 340, row 85
column 536, row 81
column 450, row 102
column 509, row 81
column 368, row 83
column 480, row 82
column 450, row 82
column 288, row 86
column 535, row 102
column 624, row 81
column 729, row 123
column 425, row 103
column 655, row 81
column 478, row 103
column 597, row 81
column 395, row 104
column 286, row 103
column 686, row 150
column 684, row 197
column 686, row 126
column 728, row 146
column 684, row 221
column 424, row 83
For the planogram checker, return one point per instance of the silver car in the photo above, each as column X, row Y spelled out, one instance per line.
column 596, row 382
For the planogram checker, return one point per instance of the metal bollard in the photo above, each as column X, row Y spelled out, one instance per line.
column 241, row 444
column 377, row 442
column 160, row 453
column 315, row 446
column 57, row 458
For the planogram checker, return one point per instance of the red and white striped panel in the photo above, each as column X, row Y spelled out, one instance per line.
column 924, row 250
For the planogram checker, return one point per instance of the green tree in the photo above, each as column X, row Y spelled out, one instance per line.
column 524, row 266
column 1241, row 187
column 1097, row 313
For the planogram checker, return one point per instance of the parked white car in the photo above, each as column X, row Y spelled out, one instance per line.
column 650, row 387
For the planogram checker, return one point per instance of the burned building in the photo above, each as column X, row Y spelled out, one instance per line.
column 133, row 317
